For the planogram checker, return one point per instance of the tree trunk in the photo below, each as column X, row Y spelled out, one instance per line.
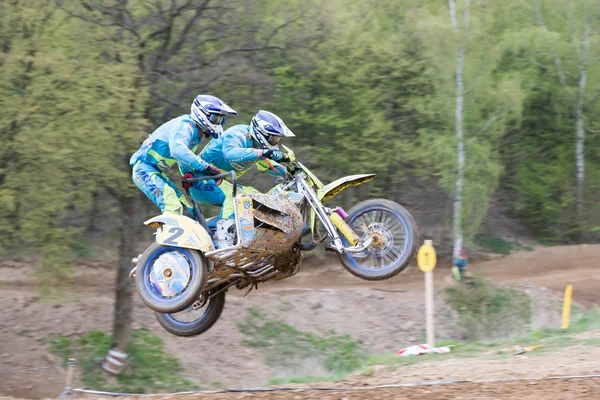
column 460, row 155
column 460, row 136
column 94, row 211
column 122, row 328
column 579, row 154
column 579, row 147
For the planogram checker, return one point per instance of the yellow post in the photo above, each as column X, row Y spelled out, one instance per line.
column 427, row 258
column 566, row 308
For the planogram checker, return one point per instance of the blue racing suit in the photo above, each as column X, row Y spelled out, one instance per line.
column 173, row 142
column 232, row 151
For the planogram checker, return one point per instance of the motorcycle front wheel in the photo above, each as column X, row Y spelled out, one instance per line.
column 394, row 234
column 187, row 322
column 169, row 279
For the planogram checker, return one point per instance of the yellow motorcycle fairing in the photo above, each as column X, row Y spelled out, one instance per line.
column 181, row 231
column 329, row 191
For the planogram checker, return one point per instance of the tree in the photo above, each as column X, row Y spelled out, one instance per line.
column 167, row 51
column 462, row 43
column 35, row 160
column 567, row 43
column 353, row 99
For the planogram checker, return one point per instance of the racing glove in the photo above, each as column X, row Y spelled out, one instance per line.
column 187, row 185
column 275, row 155
column 210, row 170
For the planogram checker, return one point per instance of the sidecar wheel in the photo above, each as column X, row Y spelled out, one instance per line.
column 395, row 234
column 175, row 322
column 169, row 279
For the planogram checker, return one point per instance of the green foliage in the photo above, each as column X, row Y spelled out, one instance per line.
column 65, row 112
column 356, row 105
column 549, row 339
column 302, row 379
column 366, row 86
column 585, row 321
column 61, row 345
column 152, row 370
column 498, row 245
column 547, row 45
column 289, row 347
column 492, row 100
column 489, row 311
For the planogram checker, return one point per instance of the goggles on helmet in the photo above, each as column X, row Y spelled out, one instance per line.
column 273, row 139
column 217, row 118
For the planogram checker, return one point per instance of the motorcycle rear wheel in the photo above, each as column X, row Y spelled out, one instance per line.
column 177, row 327
column 169, row 279
column 395, row 234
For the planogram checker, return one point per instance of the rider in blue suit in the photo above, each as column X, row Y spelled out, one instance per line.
column 238, row 149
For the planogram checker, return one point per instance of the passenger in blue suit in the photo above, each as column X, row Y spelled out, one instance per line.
column 175, row 142
column 239, row 149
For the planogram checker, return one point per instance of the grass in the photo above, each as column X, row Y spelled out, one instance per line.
column 333, row 357
column 294, row 352
column 489, row 311
column 497, row 245
column 587, row 320
column 152, row 370
column 303, row 379
column 550, row 340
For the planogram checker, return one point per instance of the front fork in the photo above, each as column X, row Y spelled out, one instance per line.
column 337, row 216
column 332, row 219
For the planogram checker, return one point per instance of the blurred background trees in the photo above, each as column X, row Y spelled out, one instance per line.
column 465, row 109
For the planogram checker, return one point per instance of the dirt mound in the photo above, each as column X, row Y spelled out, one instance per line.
column 385, row 321
column 550, row 267
column 553, row 268
column 385, row 315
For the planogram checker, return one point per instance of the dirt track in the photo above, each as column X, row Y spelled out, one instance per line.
column 380, row 313
column 550, row 267
column 531, row 390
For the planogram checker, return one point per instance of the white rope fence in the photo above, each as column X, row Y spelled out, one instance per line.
column 343, row 388
column 18, row 371
column 70, row 370
column 69, row 391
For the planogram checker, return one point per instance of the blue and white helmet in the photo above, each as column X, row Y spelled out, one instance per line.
column 267, row 130
column 210, row 113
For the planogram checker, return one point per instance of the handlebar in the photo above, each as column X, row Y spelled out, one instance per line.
column 220, row 176
column 207, row 177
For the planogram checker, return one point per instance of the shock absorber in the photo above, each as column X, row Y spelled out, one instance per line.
column 337, row 216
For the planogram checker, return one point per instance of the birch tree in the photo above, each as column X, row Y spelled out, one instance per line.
column 568, row 42
column 472, row 106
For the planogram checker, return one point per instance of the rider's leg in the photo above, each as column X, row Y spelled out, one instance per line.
column 159, row 188
column 226, row 232
column 456, row 272
column 208, row 192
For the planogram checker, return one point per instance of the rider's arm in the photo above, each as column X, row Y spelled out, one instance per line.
column 270, row 167
column 179, row 145
column 234, row 151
